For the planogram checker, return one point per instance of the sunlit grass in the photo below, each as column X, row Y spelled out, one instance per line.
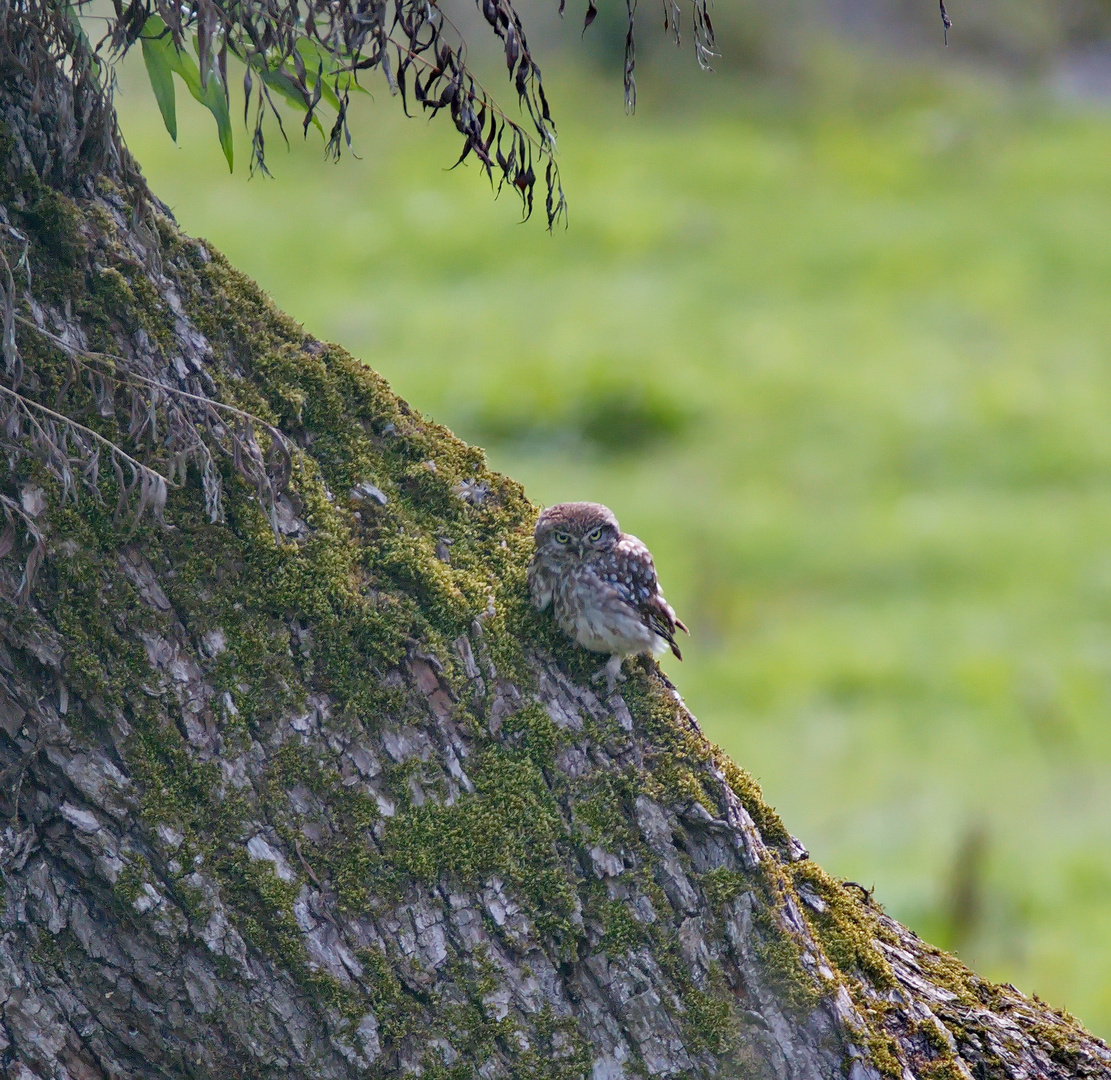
column 882, row 500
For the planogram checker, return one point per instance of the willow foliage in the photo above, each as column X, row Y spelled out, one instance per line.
column 313, row 54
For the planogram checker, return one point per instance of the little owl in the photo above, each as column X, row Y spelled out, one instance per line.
column 601, row 584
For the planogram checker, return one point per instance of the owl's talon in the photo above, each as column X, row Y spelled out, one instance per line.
column 612, row 673
column 609, row 676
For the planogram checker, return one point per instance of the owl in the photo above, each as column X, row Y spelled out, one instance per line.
column 602, row 586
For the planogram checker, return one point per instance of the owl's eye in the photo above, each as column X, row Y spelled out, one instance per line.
column 562, row 538
column 596, row 534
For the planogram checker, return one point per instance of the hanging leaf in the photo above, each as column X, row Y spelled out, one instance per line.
column 156, row 43
column 217, row 104
column 310, row 54
column 73, row 17
column 212, row 95
column 335, row 78
column 284, row 87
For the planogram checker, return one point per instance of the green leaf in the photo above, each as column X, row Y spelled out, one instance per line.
column 317, row 61
column 161, row 78
column 217, row 103
column 283, row 86
column 73, row 17
column 317, row 57
column 211, row 95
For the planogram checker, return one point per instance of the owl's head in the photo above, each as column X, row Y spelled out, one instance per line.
column 573, row 530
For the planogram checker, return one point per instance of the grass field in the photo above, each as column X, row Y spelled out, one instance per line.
column 843, row 358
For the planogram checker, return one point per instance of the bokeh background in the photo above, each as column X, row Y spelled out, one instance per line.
column 831, row 330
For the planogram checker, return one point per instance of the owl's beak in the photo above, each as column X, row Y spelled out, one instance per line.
column 582, row 551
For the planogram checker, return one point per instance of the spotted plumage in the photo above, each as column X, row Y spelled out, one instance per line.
column 601, row 585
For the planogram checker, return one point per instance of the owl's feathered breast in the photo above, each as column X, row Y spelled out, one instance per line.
column 609, row 600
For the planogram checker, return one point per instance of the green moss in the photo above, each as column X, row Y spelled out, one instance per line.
column 709, row 1021
column 396, row 1009
column 621, row 931
column 604, row 811
column 508, row 828
column 675, row 771
column 59, row 248
column 679, row 768
column 559, row 1051
column 121, row 295
column 882, row 1055
column 948, row 972
column 345, row 857
column 110, row 299
column 941, row 1070
column 264, row 903
column 846, row 928
column 1065, row 1040
column 724, row 886
column 129, row 885
column 748, row 791
column 47, row 951
column 550, row 1049
column 781, row 956
column 534, row 732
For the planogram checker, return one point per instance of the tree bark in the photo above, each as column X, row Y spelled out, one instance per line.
column 310, row 790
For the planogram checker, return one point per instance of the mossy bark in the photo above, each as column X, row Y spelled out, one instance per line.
column 311, row 790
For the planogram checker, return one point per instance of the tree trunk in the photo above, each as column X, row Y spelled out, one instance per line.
column 309, row 790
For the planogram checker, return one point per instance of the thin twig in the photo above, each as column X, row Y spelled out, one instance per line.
column 73, row 350
column 865, row 893
column 26, row 403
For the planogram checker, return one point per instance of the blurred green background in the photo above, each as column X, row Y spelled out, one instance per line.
column 831, row 331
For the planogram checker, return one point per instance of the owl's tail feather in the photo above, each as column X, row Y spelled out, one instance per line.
column 671, row 637
column 662, row 619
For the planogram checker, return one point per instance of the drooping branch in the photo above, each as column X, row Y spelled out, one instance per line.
column 313, row 54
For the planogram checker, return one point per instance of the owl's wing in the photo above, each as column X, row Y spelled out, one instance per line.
column 657, row 613
column 539, row 585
